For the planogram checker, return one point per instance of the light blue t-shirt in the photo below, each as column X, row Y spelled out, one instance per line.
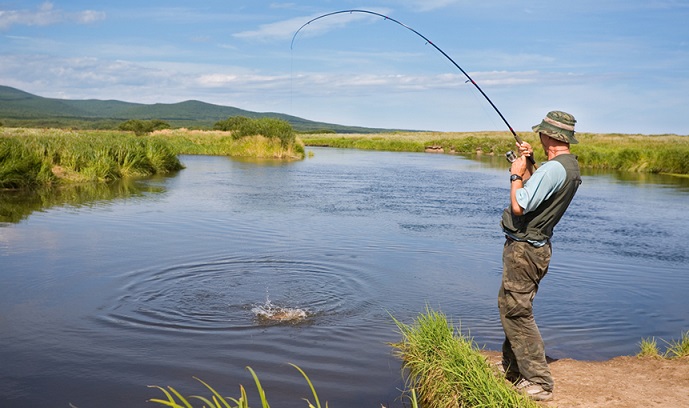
column 545, row 181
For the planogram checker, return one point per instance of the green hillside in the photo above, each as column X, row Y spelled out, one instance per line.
column 22, row 109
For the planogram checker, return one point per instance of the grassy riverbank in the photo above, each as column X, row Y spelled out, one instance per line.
column 35, row 157
column 667, row 154
column 42, row 157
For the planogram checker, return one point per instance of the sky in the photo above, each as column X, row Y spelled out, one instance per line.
column 619, row 66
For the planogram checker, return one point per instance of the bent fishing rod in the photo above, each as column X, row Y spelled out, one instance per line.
column 516, row 137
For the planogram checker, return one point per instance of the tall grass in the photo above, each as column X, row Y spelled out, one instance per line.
column 650, row 154
column 32, row 157
column 227, row 143
column 450, row 142
column 20, row 166
column 446, row 369
column 636, row 153
column 37, row 157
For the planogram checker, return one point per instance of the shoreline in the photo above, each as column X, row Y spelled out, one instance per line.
column 620, row 382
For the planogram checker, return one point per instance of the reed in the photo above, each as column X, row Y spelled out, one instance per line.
column 446, row 369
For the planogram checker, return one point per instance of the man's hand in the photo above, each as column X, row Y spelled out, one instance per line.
column 522, row 166
column 525, row 149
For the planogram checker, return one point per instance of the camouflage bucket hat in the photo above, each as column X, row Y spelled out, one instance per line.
column 558, row 125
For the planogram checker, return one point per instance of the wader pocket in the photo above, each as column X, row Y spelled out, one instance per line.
column 518, row 298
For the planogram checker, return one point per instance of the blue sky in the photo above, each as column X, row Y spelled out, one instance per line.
column 616, row 65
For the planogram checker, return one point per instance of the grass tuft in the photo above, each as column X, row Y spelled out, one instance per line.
column 446, row 369
column 675, row 348
column 678, row 348
column 649, row 348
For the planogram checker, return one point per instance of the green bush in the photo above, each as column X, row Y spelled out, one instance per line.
column 271, row 128
column 142, row 127
column 232, row 123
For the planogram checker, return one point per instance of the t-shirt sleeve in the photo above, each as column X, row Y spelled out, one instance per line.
column 545, row 181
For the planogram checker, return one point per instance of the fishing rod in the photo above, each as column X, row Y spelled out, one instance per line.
column 516, row 137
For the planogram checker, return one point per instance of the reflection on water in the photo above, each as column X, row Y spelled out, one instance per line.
column 16, row 205
column 243, row 263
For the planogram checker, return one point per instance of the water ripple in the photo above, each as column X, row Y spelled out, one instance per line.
column 225, row 294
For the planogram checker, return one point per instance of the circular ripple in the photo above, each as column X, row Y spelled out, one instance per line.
column 225, row 293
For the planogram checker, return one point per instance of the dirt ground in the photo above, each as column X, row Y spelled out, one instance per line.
column 623, row 382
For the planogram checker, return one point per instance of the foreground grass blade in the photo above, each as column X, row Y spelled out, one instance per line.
column 170, row 400
column 313, row 390
column 261, row 391
column 215, row 394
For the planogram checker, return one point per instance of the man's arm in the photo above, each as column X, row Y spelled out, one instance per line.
column 516, row 185
column 524, row 169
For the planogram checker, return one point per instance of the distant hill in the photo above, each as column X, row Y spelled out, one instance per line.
column 19, row 108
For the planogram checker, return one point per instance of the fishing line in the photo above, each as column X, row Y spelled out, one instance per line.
column 514, row 134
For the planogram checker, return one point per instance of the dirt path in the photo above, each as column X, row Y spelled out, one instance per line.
column 623, row 382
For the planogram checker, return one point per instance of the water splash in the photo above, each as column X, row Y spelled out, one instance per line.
column 270, row 313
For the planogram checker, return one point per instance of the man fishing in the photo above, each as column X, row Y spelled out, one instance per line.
column 538, row 199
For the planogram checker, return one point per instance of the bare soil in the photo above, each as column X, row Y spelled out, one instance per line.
column 622, row 382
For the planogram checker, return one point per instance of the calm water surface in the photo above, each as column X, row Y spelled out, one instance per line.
column 105, row 291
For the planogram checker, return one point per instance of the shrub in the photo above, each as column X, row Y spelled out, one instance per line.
column 231, row 124
column 142, row 127
column 271, row 128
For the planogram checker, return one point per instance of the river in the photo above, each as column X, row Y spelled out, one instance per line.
column 104, row 291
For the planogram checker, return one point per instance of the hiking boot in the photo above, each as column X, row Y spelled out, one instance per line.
column 533, row 390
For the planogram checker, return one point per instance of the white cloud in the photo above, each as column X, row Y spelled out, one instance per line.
column 287, row 28
column 429, row 5
column 46, row 14
column 89, row 16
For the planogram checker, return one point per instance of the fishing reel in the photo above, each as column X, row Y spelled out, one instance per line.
column 510, row 156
